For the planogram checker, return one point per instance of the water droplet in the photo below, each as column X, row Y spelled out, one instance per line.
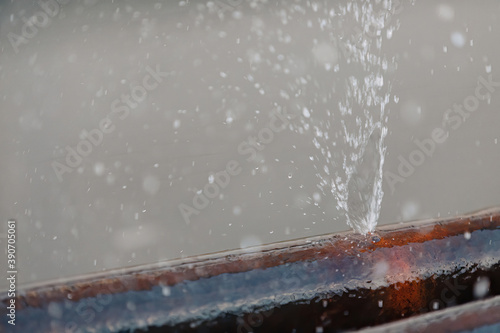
column 249, row 241
column 411, row 112
column 409, row 210
column 165, row 290
column 306, row 113
column 445, row 12
column 131, row 306
column 458, row 39
column 380, row 270
column 99, row 168
column 151, row 184
column 55, row 310
column 481, row 287
column 467, row 235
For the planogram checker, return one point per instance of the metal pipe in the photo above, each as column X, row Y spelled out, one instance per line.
column 324, row 284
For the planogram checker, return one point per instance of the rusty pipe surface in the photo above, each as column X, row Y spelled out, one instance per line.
column 328, row 283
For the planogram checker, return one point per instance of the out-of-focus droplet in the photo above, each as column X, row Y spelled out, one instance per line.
column 380, row 270
column 99, row 168
column 151, row 184
column 249, row 241
column 458, row 39
column 482, row 287
column 165, row 290
column 446, row 12
column 306, row 113
column 409, row 210
column 411, row 112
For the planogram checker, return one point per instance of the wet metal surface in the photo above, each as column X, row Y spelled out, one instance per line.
column 336, row 281
column 121, row 208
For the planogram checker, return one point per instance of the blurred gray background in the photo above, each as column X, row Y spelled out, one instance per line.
column 229, row 64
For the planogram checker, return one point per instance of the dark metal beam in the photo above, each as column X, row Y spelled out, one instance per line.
column 326, row 283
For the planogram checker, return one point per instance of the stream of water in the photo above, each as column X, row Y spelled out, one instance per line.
column 350, row 164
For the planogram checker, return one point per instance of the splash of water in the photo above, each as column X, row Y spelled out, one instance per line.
column 353, row 159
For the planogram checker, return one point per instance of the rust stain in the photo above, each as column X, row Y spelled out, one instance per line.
column 407, row 297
